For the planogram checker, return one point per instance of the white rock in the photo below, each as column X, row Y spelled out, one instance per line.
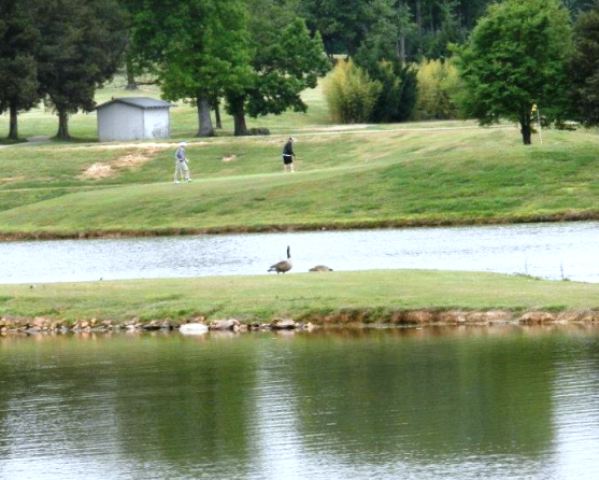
column 193, row 329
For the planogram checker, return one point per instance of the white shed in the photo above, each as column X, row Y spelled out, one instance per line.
column 133, row 118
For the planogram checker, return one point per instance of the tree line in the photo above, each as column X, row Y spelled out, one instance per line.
column 256, row 56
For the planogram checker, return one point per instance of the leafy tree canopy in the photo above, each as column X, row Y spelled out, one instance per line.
column 585, row 67
column 19, row 39
column 82, row 44
column 516, row 57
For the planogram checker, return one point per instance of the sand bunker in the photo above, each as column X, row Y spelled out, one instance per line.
column 101, row 170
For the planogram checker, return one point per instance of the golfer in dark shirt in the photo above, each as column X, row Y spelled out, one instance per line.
column 288, row 155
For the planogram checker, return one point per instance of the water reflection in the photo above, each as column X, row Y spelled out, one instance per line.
column 567, row 250
column 453, row 403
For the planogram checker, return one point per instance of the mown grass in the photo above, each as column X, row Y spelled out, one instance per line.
column 297, row 296
column 406, row 174
column 396, row 176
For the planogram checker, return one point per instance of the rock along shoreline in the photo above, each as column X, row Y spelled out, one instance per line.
column 342, row 319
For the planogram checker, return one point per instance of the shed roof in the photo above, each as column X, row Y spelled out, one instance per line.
column 144, row 103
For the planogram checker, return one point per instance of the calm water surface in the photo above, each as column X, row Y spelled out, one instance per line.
column 503, row 403
column 566, row 250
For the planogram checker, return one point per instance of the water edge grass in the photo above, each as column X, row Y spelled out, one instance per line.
column 371, row 295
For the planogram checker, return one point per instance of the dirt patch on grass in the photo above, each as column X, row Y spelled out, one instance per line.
column 100, row 170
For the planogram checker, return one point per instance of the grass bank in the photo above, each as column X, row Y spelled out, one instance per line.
column 369, row 296
column 402, row 175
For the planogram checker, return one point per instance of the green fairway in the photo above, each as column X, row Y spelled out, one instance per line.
column 296, row 295
column 397, row 176
column 423, row 173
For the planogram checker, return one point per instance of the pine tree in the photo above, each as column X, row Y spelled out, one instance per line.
column 82, row 42
column 19, row 39
column 585, row 67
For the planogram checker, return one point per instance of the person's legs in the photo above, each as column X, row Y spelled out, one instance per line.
column 179, row 172
column 186, row 172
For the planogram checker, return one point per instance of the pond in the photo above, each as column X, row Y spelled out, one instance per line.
column 555, row 251
column 467, row 403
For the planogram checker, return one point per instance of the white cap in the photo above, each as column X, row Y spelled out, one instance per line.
column 183, row 144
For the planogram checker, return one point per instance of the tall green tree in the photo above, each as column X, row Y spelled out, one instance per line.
column 285, row 60
column 199, row 50
column 515, row 58
column 19, row 39
column 585, row 67
column 343, row 24
column 81, row 46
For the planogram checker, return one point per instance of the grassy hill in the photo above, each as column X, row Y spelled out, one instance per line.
column 348, row 176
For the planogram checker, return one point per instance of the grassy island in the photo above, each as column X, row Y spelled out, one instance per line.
column 338, row 297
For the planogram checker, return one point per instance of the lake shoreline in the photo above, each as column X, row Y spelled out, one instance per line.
column 556, row 217
column 343, row 319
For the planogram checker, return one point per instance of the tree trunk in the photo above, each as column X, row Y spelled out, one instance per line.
column 219, row 123
column 402, row 50
column 13, row 129
column 525, row 129
column 206, row 129
column 63, row 125
column 238, row 112
column 131, row 83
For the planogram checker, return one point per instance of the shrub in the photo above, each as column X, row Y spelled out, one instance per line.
column 397, row 98
column 350, row 93
column 438, row 83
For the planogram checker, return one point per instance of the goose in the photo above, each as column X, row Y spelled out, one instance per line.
column 282, row 266
column 321, row 268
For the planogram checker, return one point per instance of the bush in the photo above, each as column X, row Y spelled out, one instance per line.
column 350, row 93
column 438, row 84
column 397, row 98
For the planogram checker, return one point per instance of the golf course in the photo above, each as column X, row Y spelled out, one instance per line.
column 348, row 177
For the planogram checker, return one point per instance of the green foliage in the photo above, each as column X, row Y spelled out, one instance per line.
column 286, row 59
column 19, row 39
column 199, row 49
column 438, row 83
column 397, row 96
column 207, row 54
column 284, row 65
column 340, row 22
column 515, row 58
column 380, row 42
column 82, row 45
column 584, row 68
column 351, row 94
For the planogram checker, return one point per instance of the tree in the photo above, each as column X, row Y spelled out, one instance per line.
column 19, row 38
column 199, row 49
column 515, row 58
column 584, row 67
column 81, row 47
column 285, row 60
column 340, row 22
